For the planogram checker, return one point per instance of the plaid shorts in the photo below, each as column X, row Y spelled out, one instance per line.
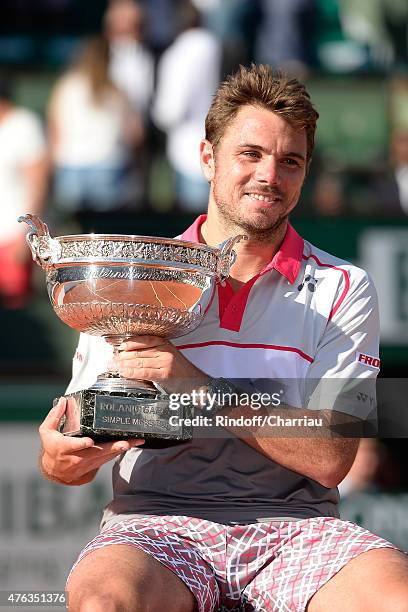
column 270, row 566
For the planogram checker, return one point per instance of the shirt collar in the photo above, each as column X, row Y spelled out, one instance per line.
column 286, row 261
column 192, row 233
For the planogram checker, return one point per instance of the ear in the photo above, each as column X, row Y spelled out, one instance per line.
column 207, row 159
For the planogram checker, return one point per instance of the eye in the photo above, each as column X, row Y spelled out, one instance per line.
column 290, row 161
column 251, row 154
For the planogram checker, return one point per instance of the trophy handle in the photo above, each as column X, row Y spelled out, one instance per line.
column 44, row 249
column 227, row 256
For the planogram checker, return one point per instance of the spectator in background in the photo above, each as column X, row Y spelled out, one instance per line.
column 159, row 24
column 390, row 188
column 381, row 27
column 285, row 34
column 131, row 63
column 23, row 183
column 328, row 195
column 92, row 133
column 188, row 74
column 396, row 18
column 235, row 23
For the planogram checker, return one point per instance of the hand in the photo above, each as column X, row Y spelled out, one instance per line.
column 156, row 359
column 71, row 460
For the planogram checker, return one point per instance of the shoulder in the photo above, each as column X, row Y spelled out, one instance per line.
column 25, row 134
column 189, row 43
column 204, row 44
column 345, row 288
column 333, row 266
column 25, row 118
column 72, row 82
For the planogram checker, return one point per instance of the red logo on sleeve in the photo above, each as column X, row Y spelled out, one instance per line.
column 367, row 360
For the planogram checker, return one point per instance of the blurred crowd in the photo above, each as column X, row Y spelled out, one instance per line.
column 125, row 115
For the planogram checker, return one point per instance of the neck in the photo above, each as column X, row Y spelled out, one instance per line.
column 252, row 254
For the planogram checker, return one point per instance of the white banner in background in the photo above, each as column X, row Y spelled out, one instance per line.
column 43, row 526
column 384, row 254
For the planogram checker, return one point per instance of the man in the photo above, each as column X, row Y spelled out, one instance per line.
column 182, row 98
column 246, row 522
column 23, row 185
column 132, row 64
column 389, row 190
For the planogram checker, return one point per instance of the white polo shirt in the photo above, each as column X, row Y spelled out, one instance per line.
column 305, row 317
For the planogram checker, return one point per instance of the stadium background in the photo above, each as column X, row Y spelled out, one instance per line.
column 353, row 57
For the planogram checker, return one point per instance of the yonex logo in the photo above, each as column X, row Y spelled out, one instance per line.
column 363, row 397
column 310, row 283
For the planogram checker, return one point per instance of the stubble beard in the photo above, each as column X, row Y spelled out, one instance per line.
column 260, row 228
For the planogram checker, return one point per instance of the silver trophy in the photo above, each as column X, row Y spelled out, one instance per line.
column 119, row 286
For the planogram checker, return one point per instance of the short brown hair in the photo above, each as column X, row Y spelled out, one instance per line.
column 259, row 85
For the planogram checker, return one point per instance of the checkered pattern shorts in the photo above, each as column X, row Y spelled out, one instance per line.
column 273, row 566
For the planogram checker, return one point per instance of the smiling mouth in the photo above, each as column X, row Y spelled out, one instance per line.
column 268, row 198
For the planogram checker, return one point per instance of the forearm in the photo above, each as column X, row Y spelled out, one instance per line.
column 319, row 444
column 312, row 451
column 36, row 176
column 318, row 454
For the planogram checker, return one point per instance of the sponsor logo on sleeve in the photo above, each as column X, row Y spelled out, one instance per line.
column 368, row 360
column 78, row 357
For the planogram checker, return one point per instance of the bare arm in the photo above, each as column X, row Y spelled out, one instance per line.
column 312, row 451
column 36, row 177
column 316, row 454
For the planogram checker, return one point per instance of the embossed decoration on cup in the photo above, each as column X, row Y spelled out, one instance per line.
column 119, row 286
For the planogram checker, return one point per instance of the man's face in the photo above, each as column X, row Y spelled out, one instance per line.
column 256, row 171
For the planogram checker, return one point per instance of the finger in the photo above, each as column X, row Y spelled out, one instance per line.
column 117, row 446
column 100, row 453
column 152, row 374
column 136, row 441
column 56, row 444
column 49, row 430
column 52, row 420
column 142, row 342
column 73, row 444
column 150, row 353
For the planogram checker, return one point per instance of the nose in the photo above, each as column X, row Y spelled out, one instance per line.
column 268, row 171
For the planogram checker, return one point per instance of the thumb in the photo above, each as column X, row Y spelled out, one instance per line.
column 52, row 420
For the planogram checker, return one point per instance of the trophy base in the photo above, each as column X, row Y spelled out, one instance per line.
column 103, row 416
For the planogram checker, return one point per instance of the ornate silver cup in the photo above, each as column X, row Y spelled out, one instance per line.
column 119, row 286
